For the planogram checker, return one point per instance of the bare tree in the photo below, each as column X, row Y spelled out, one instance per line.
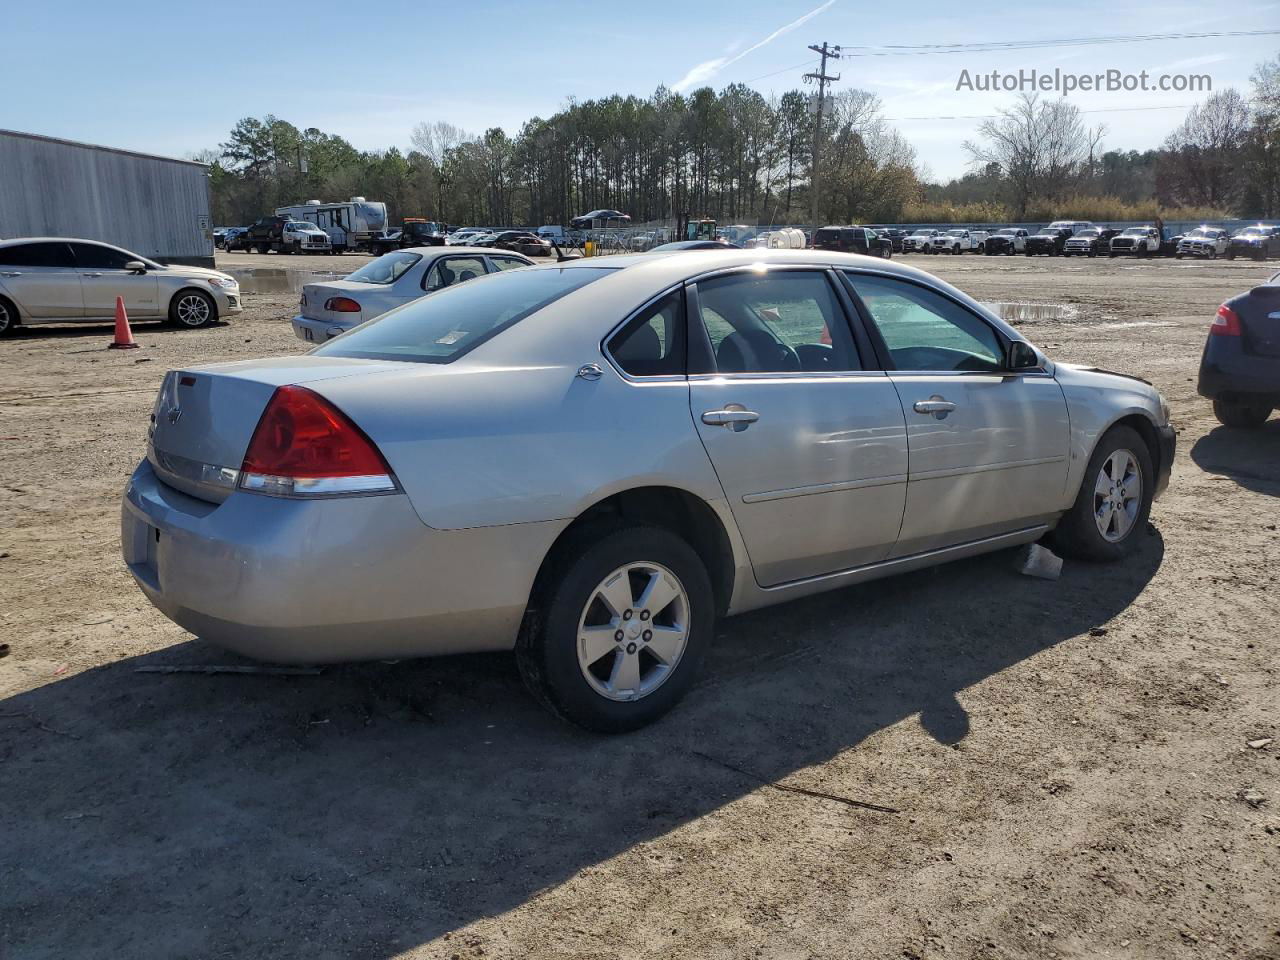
column 434, row 140
column 1200, row 159
column 1041, row 146
column 1262, row 151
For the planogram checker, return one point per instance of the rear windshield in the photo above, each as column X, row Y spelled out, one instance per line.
column 388, row 268
column 443, row 326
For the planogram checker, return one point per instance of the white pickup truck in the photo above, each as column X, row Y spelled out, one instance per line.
column 959, row 240
column 918, row 241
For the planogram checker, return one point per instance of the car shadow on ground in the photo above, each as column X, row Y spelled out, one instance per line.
column 1249, row 457
column 373, row 808
column 104, row 330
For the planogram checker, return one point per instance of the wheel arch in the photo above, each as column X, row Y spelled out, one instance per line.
column 1142, row 424
column 11, row 306
column 671, row 508
column 192, row 288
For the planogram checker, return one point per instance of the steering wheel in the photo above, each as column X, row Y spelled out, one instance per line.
column 783, row 353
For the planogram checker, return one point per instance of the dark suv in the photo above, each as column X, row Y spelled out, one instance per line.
column 415, row 232
column 853, row 240
column 1258, row 242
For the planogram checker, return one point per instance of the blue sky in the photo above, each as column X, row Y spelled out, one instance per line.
column 174, row 79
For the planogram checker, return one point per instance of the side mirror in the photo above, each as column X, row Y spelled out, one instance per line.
column 1021, row 356
column 136, row 266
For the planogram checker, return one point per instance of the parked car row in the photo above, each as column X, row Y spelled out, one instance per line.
column 1070, row 238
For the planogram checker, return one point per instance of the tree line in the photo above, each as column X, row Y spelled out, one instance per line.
column 740, row 157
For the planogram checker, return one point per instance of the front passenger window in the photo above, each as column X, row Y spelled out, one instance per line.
column 924, row 330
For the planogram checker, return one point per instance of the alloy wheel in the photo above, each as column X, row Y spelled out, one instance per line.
column 6, row 321
column 1117, row 495
column 633, row 631
column 193, row 310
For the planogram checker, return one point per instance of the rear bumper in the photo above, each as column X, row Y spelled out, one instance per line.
column 1225, row 369
column 312, row 581
column 318, row 331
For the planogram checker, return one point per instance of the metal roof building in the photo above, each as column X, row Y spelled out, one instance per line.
column 154, row 206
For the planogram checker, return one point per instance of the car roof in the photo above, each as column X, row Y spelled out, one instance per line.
column 15, row 240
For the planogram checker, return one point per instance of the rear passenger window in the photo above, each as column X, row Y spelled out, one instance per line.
column 652, row 344
column 451, row 270
column 782, row 321
column 507, row 263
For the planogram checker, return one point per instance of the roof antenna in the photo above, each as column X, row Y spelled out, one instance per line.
column 561, row 257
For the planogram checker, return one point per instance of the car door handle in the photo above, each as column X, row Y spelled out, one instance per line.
column 736, row 419
column 11, row 273
column 90, row 274
column 935, row 407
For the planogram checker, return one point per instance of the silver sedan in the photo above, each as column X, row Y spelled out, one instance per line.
column 590, row 462
column 57, row 280
column 333, row 307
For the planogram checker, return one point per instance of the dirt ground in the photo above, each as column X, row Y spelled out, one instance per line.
column 960, row 763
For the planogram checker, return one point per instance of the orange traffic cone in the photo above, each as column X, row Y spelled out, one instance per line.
column 124, row 336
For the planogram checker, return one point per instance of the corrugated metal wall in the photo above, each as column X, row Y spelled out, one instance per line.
column 150, row 205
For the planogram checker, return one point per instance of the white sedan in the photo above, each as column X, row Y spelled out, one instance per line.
column 335, row 306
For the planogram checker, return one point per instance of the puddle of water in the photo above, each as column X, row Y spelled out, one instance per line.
column 1032, row 312
column 267, row 280
column 1140, row 323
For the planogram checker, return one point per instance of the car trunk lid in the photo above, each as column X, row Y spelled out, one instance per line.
column 316, row 295
column 204, row 417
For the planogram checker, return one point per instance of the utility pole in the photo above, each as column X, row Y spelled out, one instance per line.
column 822, row 78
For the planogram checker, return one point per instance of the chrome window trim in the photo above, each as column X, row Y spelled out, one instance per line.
column 789, row 375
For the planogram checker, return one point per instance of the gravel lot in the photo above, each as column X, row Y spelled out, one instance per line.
column 958, row 763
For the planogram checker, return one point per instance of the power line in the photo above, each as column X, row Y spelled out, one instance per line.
column 807, row 63
column 927, row 49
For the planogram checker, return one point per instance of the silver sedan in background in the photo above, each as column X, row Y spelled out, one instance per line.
column 59, row 280
column 589, row 462
column 333, row 307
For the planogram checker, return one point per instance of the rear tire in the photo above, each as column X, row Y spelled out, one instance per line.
column 571, row 674
column 1119, row 456
column 8, row 318
column 264, row 248
column 1242, row 414
column 191, row 310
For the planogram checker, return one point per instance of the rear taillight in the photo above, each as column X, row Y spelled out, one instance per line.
column 306, row 447
column 1226, row 323
column 342, row 305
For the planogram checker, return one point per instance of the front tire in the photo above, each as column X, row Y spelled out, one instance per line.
column 1114, row 502
column 619, row 631
column 191, row 310
column 8, row 318
column 1242, row 414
